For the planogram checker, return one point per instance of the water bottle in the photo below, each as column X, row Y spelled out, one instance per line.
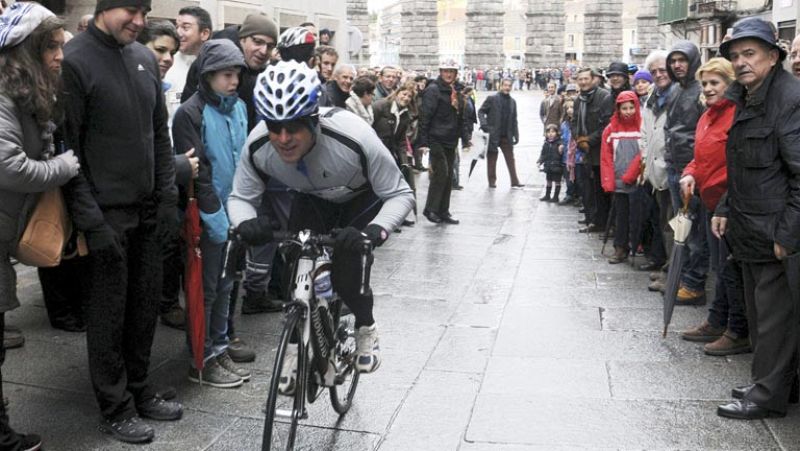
column 323, row 287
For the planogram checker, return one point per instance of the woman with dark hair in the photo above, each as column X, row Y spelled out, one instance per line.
column 360, row 101
column 31, row 41
column 394, row 117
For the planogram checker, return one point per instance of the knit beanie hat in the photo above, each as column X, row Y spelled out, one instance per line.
column 258, row 24
column 103, row 5
column 19, row 21
column 642, row 74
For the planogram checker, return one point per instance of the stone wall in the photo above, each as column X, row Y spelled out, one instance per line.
column 358, row 16
column 648, row 37
column 544, row 44
column 419, row 44
column 602, row 37
column 484, row 34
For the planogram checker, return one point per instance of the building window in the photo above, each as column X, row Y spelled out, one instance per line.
column 572, row 40
column 633, row 36
column 517, row 43
column 786, row 30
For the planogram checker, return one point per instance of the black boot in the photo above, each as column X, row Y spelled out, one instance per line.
column 555, row 195
column 546, row 197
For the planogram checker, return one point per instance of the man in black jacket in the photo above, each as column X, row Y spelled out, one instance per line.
column 592, row 112
column 337, row 91
column 760, row 214
column 116, row 121
column 441, row 125
column 683, row 112
column 498, row 117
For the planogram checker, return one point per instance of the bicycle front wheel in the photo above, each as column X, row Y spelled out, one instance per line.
column 343, row 391
column 283, row 412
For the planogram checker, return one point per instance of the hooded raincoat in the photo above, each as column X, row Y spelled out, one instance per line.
column 621, row 151
column 684, row 109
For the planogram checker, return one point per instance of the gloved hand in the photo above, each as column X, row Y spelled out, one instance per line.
column 207, row 198
column 256, row 231
column 349, row 239
column 70, row 162
column 376, row 234
column 583, row 142
column 103, row 239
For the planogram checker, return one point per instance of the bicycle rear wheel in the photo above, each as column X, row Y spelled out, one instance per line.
column 284, row 412
column 344, row 390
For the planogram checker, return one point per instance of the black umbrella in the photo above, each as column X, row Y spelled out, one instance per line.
column 681, row 224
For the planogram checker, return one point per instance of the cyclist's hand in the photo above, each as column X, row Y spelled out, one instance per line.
column 376, row 234
column 349, row 239
column 256, row 231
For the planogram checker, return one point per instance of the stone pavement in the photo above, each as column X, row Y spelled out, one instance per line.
column 508, row 332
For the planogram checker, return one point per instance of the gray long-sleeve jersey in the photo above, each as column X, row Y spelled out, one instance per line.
column 347, row 158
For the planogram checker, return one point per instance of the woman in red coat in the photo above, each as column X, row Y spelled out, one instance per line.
column 725, row 330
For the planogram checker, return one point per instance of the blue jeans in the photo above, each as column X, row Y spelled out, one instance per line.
column 695, row 264
column 216, row 294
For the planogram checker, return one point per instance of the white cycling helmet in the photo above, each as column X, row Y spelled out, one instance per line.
column 287, row 90
column 295, row 36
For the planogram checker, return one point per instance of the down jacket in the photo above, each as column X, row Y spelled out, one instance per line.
column 762, row 203
column 708, row 166
column 25, row 171
column 441, row 122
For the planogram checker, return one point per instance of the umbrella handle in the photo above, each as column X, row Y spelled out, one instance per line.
column 686, row 198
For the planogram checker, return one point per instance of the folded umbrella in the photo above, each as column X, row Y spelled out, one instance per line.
column 480, row 142
column 682, row 225
column 193, row 281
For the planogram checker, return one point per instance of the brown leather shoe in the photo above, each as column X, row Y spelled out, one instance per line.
column 728, row 344
column 620, row 255
column 687, row 296
column 704, row 333
column 657, row 285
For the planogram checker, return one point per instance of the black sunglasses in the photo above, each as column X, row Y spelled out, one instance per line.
column 291, row 127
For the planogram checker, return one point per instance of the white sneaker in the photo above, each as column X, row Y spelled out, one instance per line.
column 288, row 380
column 368, row 352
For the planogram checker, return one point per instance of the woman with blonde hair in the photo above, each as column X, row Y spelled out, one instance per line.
column 31, row 42
column 725, row 330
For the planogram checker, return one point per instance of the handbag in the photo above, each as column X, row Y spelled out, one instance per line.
column 47, row 232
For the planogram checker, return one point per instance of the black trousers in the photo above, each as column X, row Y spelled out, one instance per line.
column 441, row 162
column 773, row 321
column 121, row 312
column 9, row 440
column 319, row 215
column 63, row 298
column 596, row 202
column 173, row 257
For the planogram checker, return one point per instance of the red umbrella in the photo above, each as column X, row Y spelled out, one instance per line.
column 193, row 280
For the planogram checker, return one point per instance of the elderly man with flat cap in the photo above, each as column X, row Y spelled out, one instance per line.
column 124, row 200
column 760, row 214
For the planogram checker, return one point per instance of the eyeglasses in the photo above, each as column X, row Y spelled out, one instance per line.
column 658, row 71
column 262, row 43
column 291, row 127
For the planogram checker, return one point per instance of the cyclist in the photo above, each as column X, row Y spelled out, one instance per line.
column 343, row 177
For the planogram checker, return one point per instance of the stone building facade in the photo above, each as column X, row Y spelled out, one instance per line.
column 544, row 44
column 358, row 16
column 484, row 33
column 648, row 35
column 602, row 27
column 419, row 34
